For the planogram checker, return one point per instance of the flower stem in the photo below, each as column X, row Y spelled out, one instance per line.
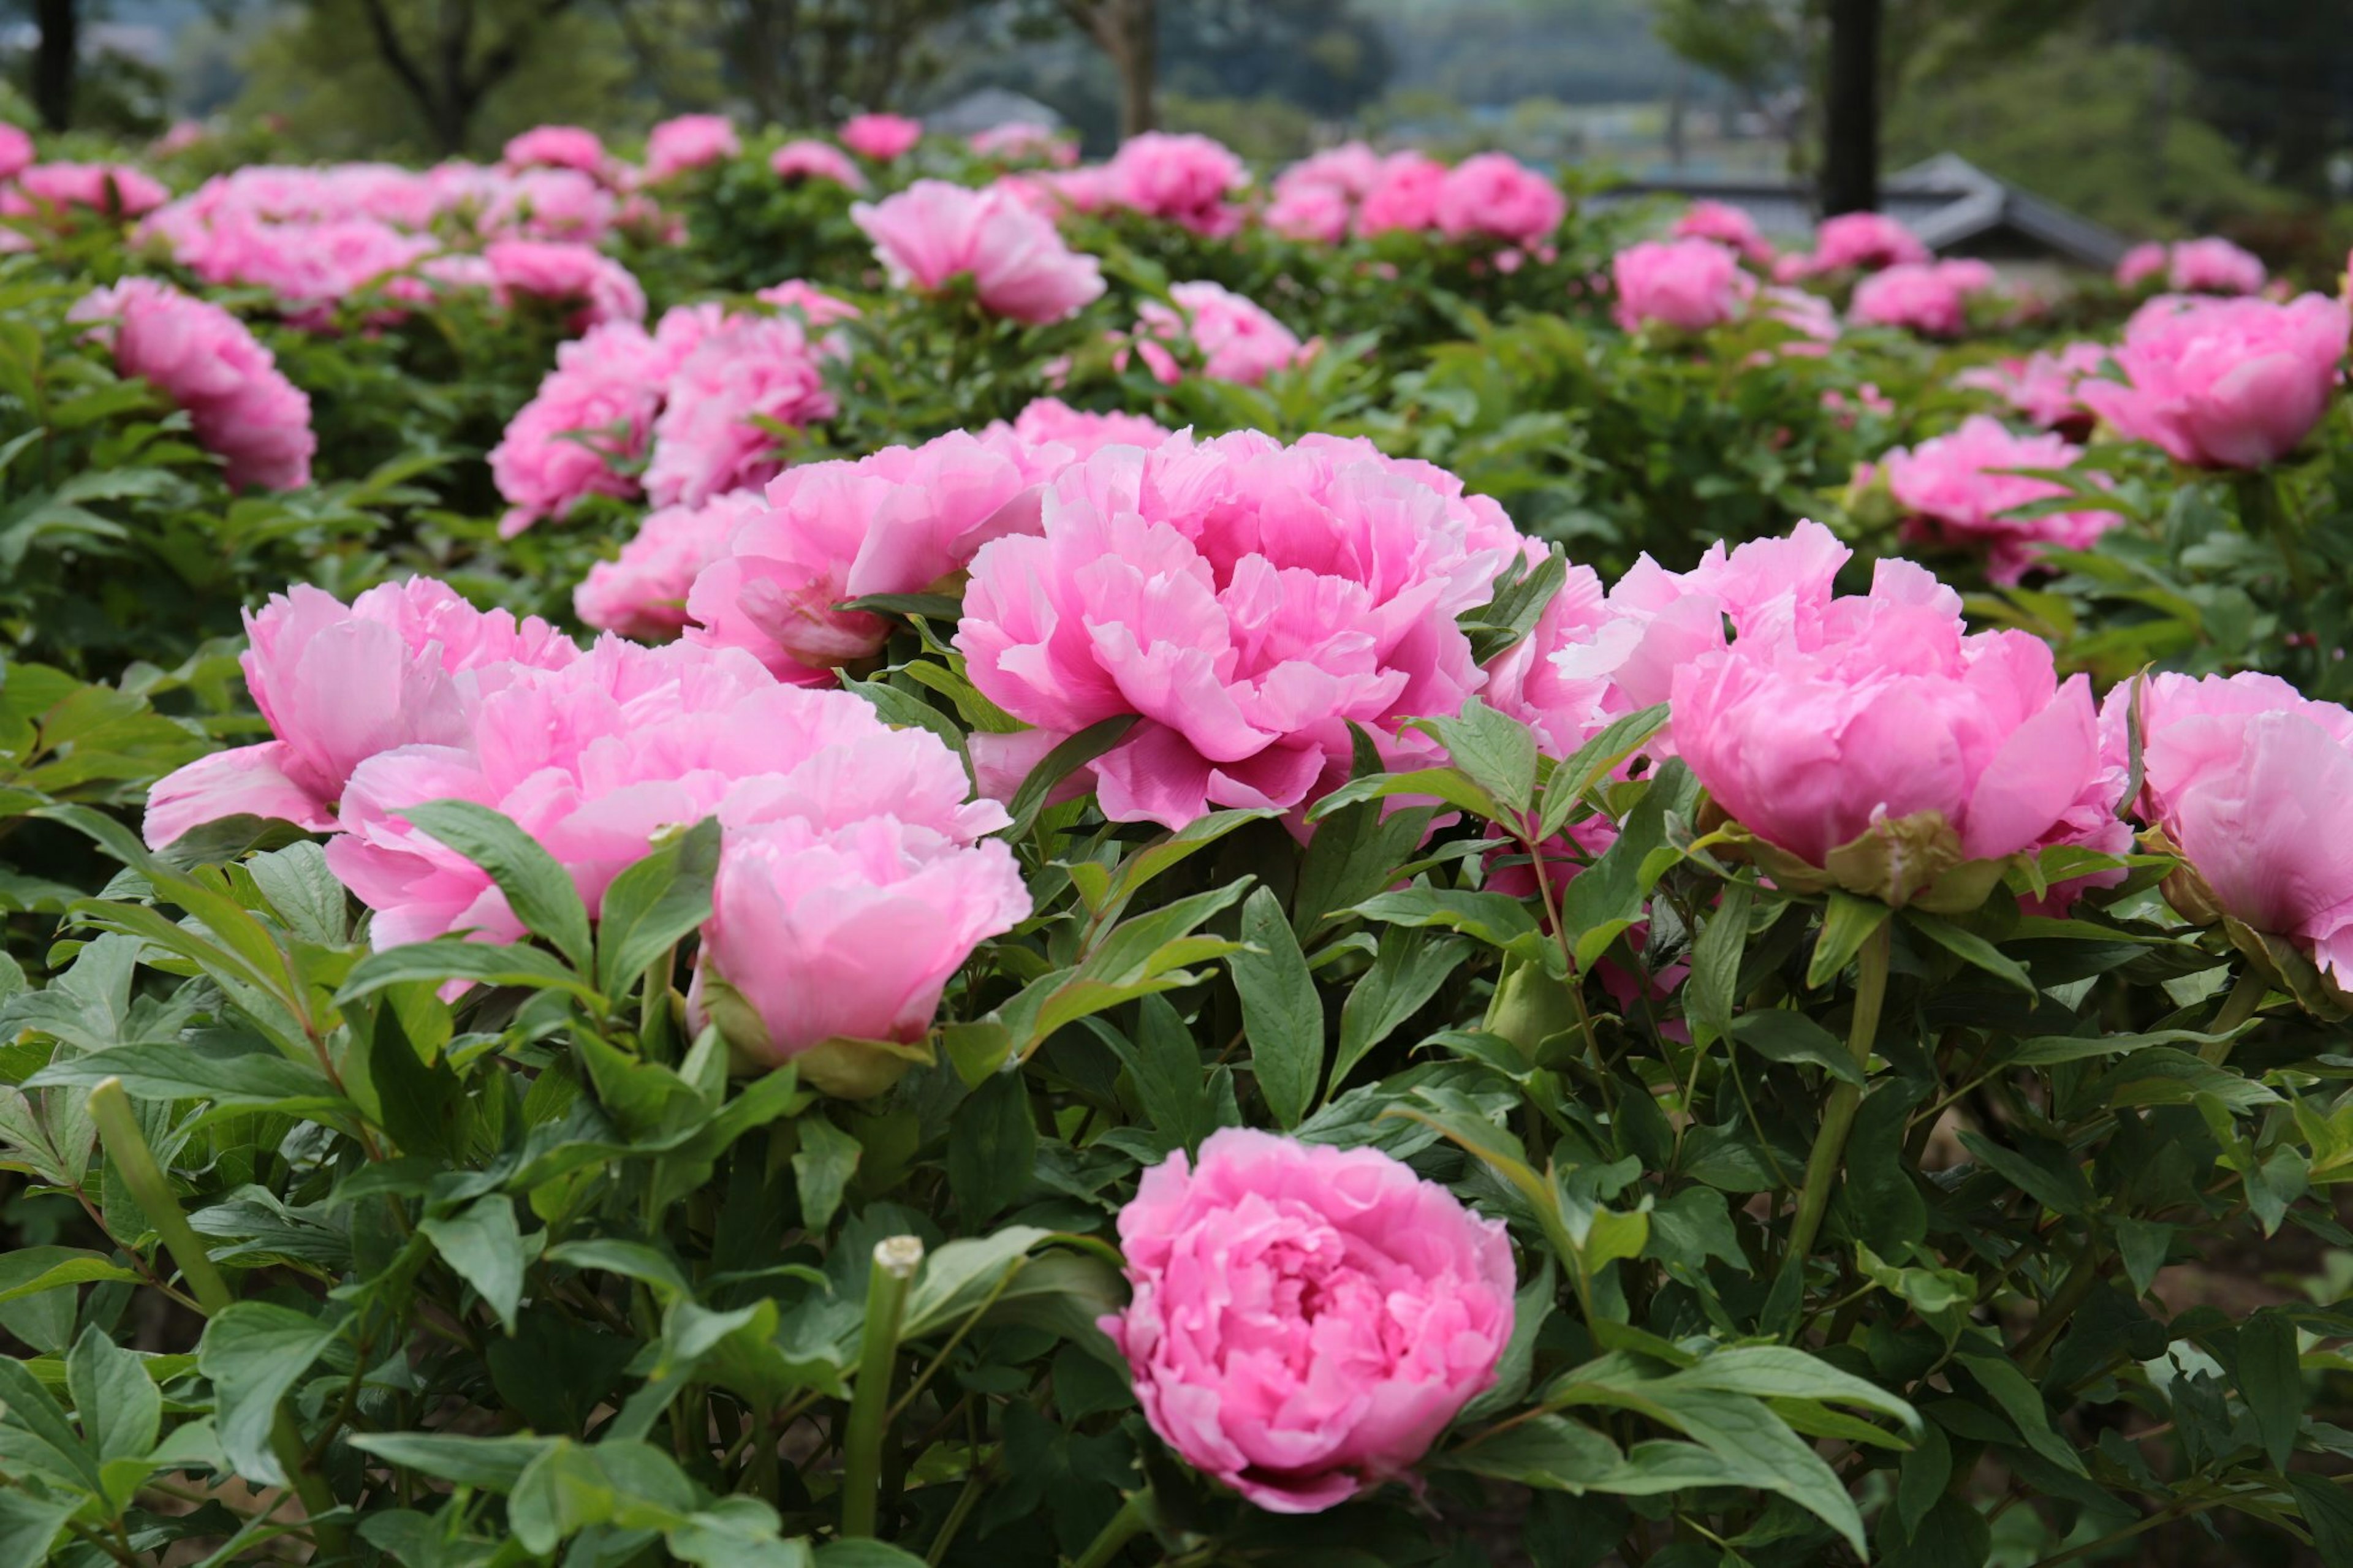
column 896, row 1259
column 1838, row 1117
column 2239, row 1006
column 1133, row 1517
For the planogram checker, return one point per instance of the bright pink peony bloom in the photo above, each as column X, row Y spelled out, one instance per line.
column 932, row 232
column 1187, row 180
column 1866, row 240
column 2214, row 265
column 642, row 593
column 243, row 410
column 17, row 152
column 1306, row 1319
column 2232, row 383
column 1311, row 213
column 2141, row 263
column 847, row 934
column 807, row 160
column 898, row 522
column 2250, row 781
column 714, row 433
column 555, row 147
column 1494, row 195
column 112, row 190
column 885, row 138
column 1883, row 743
column 1049, row 420
column 1725, row 225
column 1404, row 196
column 566, row 273
column 2043, row 385
column 1951, row 488
column 1235, row 339
column 1688, row 285
column 690, row 141
column 591, row 418
column 1928, row 296
column 338, row 685
column 1247, row 601
column 595, row 759
column 547, row 204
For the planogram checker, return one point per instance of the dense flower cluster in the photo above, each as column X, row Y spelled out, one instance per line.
column 1233, row 339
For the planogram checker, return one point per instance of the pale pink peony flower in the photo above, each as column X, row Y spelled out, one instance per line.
column 815, row 306
column 338, row 684
column 565, row 272
column 1686, row 285
column 642, row 593
column 55, row 190
column 1955, row 495
column 933, row 232
column 182, row 136
column 808, row 160
column 1929, row 296
column 16, row 152
column 847, row 933
column 1404, row 197
column 2141, row 263
column 243, row 410
column 1311, row 213
column 555, row 147
column 1883, row 746
column 2233, row 383
column 1725, row 225
column 2043, row 385
column 1565, row 703
column 1494, row 195
column 1188, row 179
column 1236, row 340
column 2251, row 782
column 901, row 521
column 715, row 432
column 2214, row 265
column 546, row 204
column 1809, row 316
column 1020, row 143
column 590, row 420
column 1865, row 240
column 885, row 138
column 1247, row 601
column 1049, row 420
column 690, row 141
column 1306, row 1319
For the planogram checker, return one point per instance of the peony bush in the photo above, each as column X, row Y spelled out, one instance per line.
column 859, row 848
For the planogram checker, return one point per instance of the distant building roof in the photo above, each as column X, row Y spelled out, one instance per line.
column 987, row 108
column 1955, row 208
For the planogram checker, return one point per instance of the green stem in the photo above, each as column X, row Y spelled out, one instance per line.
column 126, row 1146
column 896, row 1259
column 2239, row 1006
column 1133, row 1517
column 1829, row 1152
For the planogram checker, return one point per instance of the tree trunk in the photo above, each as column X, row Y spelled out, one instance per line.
column 1128, row 33
column 55, row 58
column 1850, row 109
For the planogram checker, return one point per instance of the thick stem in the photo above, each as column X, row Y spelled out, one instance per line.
column 1838, row 1117
column 1135, row 1516
column 2239, row 1006
column 896, row 1259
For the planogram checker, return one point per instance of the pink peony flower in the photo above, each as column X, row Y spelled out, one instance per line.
column 1184, row 179
column 555, row 147
column 1306, row 1319
column 182, row 136
column 566, row 273
column 547, row 204
column 2250, row 781
column 2232, row 383
column 845, row 934
column 110, row 190
column 1881, row 746
column 690, row 141
column 1726, row 226
column 1246, row 601
column 1311, row 213
column 2043, row 385
column 2141, row 263
column 1049, row 420
column 899, row 521
column 813, row 304
column 1865, row 240
column 1494, row 195
column 339, row 684
column 885, row 138
column 1404, row 196
column 1563, row 702
column 1928, row 296
column 715, row 433
column 243, row 410
column 1236, row 340
column 642, row 593
column 1687, row 285
column 807, row 160
column 590, row 420
column 1019, row 143
column 2214, row 265
column 1953, row 489
column 932, row 232
column 1809, row 316
column 17, row 152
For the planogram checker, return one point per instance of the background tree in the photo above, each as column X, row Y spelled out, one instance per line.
column 810, row 62
column 449, row 55
column 1128, row 34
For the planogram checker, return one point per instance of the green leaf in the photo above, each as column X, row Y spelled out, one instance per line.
column 655, row 904
column 992, row 1148
column 2022, row 1403
column 117, row 1404
column 2327, row 1513
column 1610, row 896
column 1497, row 753
column 957, row 1278
column 484, row 1246
column 495, row 1464
column 2271, row 1380
column 1281, row 1013
column 1969, row 948
column 568, row 1488
column 1922, row 1477
column 29, row 1524
column 1520, row 597
column 1494, row 919
column 477, row 963
column 865, row 1554
column 1549, row 1451
column 254, row 1352
column 631, row 1259
column 1780, row 1035
column 1407, row 971
column 1847, row 924
column 225, row 1071
column 2143, row 1245
column 1713, row 988
column 1059, row 763
column 1689, row 1228
column 538, row 889
column 822, row 1167
column 1450, row 785
column 49, row 1441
